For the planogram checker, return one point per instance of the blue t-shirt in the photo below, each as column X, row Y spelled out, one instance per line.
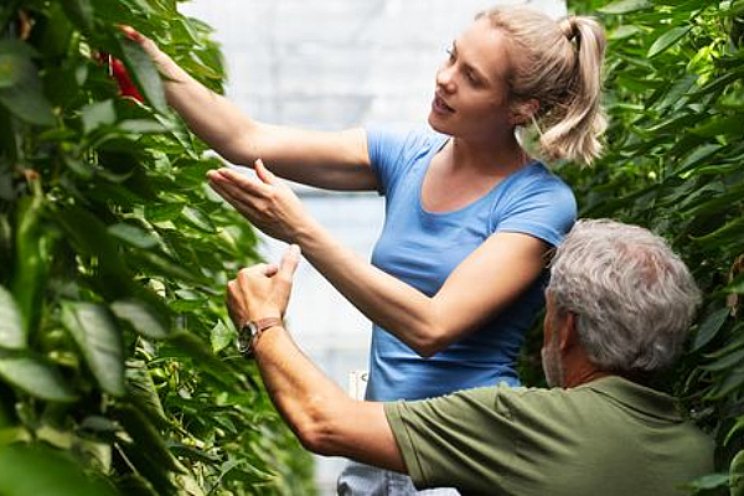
column 422, row 248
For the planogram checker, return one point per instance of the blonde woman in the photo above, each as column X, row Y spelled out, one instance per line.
column 456, row 276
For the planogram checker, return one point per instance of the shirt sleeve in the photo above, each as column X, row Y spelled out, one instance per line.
column 544, row 208
column 464, row 440
column 386, row 147
column 394, row 149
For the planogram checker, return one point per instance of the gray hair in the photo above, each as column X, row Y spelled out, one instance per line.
column 633, row 297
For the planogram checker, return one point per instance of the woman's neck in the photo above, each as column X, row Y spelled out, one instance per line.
column 495, row 156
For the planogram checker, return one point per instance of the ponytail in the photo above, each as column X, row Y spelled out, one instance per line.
column 559, row 65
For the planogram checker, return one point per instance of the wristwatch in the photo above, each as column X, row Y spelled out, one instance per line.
column 249, row 333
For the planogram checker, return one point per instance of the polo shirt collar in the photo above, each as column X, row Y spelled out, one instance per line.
column 637, row 397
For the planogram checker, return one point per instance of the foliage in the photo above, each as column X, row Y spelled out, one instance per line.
column 674, row 79
column 116, row 370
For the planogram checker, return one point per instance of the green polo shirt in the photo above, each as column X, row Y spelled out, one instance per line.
column 608, row 437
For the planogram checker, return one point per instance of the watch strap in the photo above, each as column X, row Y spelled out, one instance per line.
column 249, row 333
column 263, row 324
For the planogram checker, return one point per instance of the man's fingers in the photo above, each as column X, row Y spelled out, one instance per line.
column 263, row 173
column 289, row 262
column 270, row 270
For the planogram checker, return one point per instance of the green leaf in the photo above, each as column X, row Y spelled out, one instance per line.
column 625, row 6
column 728, row 125
column 98, row 114
column 623, row 32
column 188, row 345
column 100, row 341
column 38, row 470
column 79, row 11
column 198, row 219
column 163, row 212
column 25, row 98
column 160, row 265
column 35, row 377
column 736, row 474
column 667, row 39
column 141, row 126
column 731, row 231
column 710, row 327
column 11, row 325
column 20, row 86
column 143, row 318
column 143, row 393
column 708, row 482
column 146, row 438
column 733, row 381
column 145, row 74
column 11, row 69
column 133, row 235
column 736, row 286
column 221, row 337
column 726, row 362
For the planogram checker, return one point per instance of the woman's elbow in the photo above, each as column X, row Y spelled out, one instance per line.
column 429, row 344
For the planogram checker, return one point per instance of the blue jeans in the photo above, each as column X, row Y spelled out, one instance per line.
column 358, row 479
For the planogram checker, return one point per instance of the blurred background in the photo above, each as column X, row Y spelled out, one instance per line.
column 333, row 64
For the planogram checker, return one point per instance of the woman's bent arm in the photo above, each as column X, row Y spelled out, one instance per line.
column 490, row 278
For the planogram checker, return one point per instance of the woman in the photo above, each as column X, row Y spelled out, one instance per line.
column 470, row 217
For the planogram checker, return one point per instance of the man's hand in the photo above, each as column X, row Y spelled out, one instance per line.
column 262, row 291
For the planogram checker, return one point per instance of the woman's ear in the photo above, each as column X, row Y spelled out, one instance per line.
column 524, row 111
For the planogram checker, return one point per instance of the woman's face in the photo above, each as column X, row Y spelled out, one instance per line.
column 471, row 98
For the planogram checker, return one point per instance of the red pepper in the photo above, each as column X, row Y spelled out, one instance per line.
column 118, row 71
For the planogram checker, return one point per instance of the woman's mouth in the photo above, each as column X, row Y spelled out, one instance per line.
column 439, row 106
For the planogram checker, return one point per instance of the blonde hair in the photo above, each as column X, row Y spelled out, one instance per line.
column 559, row 65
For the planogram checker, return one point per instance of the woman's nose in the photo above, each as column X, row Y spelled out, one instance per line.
column 445, row 78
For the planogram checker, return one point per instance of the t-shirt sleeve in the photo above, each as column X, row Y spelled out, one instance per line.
column 545, row 208
column 386, row 148
column 464, row 439
column 394, row 149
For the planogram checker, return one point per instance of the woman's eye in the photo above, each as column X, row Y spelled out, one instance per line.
column 451, row 54
column 473, row 79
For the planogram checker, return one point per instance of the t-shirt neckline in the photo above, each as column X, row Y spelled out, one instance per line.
column 422, row 175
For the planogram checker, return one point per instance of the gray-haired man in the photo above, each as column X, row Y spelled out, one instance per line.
column 619, row 305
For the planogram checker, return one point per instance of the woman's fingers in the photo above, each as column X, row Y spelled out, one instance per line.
column 263, row 173
column 227, row 176
column 236, row 192
column 131, row 33
column 236, row 200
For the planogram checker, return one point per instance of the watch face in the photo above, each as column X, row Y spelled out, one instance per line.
column 245, row 338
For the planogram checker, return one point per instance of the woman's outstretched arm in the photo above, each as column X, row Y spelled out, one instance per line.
column 331, row 160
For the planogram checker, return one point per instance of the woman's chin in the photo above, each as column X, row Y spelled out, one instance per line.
column 435, row 122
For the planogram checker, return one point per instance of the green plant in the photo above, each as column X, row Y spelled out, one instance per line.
column 116, row 366
column 675, row 96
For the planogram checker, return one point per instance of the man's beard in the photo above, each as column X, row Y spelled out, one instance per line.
column 552, row 365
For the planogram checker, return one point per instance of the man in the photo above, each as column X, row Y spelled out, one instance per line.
column 619, row 305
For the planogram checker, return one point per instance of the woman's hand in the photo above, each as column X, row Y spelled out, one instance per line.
column 267, row 202
column 143, row 41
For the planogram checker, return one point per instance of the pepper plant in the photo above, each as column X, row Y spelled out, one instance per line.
column 117, row 370
column 674, row 163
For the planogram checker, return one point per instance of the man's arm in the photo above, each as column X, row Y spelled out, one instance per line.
column 323, row 417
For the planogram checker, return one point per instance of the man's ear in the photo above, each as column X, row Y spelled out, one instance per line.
column 567, row 335
column 524, row 111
